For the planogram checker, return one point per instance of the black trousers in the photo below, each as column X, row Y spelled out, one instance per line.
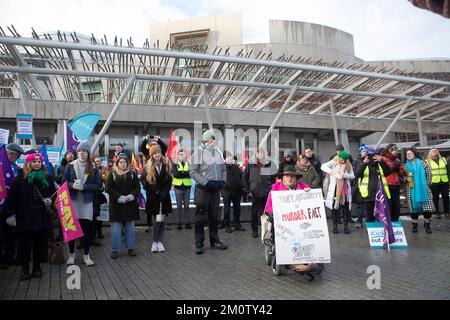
column 442, row 189
column 207, row 212
column 369, row 206
column 394, row 202
column 88, row 230
column 258, row 206
column 7, row 243
column 35, row 242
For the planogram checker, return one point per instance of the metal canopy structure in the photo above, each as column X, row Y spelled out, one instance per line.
column 69, row 69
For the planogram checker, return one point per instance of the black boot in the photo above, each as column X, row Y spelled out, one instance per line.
column 427, row 226
column 228, row 229
column 25, row 273
column 345, row 218
column 222, row 225
column 334, row 218
column 415, row 229
column 37, row 271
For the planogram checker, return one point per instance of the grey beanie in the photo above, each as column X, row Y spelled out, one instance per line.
column 208, row 134
column 84, row 145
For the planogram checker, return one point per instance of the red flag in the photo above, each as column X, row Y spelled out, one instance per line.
column 70, row 225
column 244, row 158
column 172, row 145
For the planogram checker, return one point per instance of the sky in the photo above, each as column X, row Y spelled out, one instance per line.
column 382, row 29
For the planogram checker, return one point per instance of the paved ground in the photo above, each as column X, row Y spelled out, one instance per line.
column 420, row 272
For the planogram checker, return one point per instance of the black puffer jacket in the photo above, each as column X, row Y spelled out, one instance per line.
column 234, row 185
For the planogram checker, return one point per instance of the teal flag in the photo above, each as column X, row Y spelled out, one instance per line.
column 83, row 125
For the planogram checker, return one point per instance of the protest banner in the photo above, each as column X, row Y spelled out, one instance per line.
column 70, row 225
column 301, row 230
column 24, row 126
column 4, row 136
column 377, row 235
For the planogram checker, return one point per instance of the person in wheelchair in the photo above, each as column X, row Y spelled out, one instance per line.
column 288, row 182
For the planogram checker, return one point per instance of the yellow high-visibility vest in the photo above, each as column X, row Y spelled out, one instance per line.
column 439, row 171
column 363, row 183
column 185, row 181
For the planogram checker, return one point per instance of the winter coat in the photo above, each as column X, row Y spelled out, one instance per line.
column 429, row 206
column 373, row 176
column 158, row 194
column 90, row 187
column 395, row 178
column 310, row 177
column 284, row 164
column 207, row 165
column 317, row 165
column 234, row 186
column 256, row 183
column 279, row 186
column 331, row 194
column 123, row 185
column 26, row 204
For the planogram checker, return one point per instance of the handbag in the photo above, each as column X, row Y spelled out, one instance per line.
column 56, row 252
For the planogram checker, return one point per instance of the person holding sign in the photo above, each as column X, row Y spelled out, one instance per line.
column 29, row 200
column 288, row 181
column 418, row 193
column 157, row 182
column 83, row 181
column 339, row 195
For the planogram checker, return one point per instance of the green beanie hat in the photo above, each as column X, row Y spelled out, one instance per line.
column 343, row 155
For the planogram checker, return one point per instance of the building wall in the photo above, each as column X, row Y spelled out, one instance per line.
column 225, row 29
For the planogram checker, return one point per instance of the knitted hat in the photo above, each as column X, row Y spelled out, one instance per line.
column 207, row 135
column 84, row 145
column 340, row 147
column 362, row 147
column 155, row 148
column 32, row 156
column 371, row 150
column 13, row 147
column 343, row 155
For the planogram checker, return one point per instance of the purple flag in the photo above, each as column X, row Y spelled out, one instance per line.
column 7, row 172
column 382, row 214
column 71, row 140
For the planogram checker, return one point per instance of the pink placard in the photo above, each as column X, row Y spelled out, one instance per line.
column 70, row 225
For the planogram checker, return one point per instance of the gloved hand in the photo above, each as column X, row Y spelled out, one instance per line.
column 122, row 199
column 130, row 198
column 47, row 202
column 211, row 186
column 77, row 185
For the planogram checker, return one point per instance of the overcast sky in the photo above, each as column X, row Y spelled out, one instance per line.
column 382, row 29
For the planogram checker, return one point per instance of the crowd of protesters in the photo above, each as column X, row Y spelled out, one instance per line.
column 25, row 218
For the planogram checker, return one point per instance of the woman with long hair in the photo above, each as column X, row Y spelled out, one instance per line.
column 123, row 188
column 29, row 200
column 157, row 182
column 83, row 181
column 339, row 195
column 418, row 193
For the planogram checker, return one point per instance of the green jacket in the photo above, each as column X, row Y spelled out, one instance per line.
column 310, row 177
column 123, row 185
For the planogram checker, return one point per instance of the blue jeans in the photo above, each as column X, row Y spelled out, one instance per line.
column 236, row 209
column 116, row 235
column 360, row 211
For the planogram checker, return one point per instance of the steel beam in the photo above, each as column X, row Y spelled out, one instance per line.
column 334, row 121
column 407, row 103
column 119, row 102
column 209, row 57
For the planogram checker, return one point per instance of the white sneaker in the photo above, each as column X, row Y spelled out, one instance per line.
column 71, row 260
column 154, row 247
column 161, row 247
column 88, row 261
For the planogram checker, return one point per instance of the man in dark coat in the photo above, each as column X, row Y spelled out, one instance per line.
column 315, row 163
column 232, row 193
column 259, row 177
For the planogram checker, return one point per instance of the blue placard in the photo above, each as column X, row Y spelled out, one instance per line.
column 24, row 126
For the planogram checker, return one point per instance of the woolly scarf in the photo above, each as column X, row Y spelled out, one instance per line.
column 341, row 186
column 38, row 176
column 419, row 195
